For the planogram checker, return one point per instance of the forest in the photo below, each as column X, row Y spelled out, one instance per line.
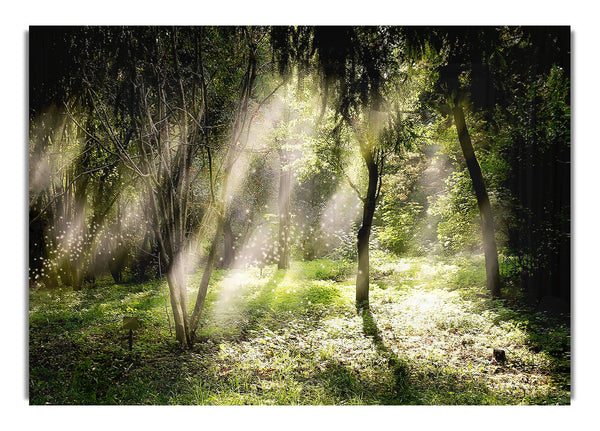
column 299, row 215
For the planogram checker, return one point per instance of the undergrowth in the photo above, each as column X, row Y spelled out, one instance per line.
column 294, row 337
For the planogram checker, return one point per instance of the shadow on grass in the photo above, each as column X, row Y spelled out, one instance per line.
column 398, row 367
column 430, row 384
column 546, row 332
column 341, row 381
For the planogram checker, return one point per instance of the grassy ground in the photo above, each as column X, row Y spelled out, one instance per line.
column 294, row 337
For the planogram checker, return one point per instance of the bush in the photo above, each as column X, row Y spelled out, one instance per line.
column 458, row 228
column 346, row 249
column 398, row 227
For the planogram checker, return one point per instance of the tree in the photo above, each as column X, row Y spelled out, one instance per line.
column 464, row 50
column 356, row 65
column 168, row 130
column 240, row 132
column 483, row 202
column 150, row 107
column 374, row 160
column 484, row 69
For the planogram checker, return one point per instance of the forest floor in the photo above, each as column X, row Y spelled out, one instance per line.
column 294, row 337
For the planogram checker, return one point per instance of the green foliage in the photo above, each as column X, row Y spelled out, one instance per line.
column 470, row 276
column 326, row 269
column 398, row 227
column 401, row 207
column 458, row 228
column 346, row 249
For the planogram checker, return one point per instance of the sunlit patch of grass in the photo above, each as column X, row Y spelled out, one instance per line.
column 406, row 273
column 324, row 269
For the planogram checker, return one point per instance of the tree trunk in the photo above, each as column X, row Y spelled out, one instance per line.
column 228, row 243
column 118, row 253
column 177, row 290
column 284, row 212
column 208, row 268
column 364, row 233
column 483, row 202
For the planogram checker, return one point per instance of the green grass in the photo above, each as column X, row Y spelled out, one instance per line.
column 293, row 337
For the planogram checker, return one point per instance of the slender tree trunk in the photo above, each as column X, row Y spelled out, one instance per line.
column 175, row 270
column 483, row 202
column 177, row 290
column 228, row 243
column 212, row 253
column 284, row 211
column 203, row 288
column 118, row 253
column 364, row 233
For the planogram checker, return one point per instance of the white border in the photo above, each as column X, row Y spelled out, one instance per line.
column 16, row 19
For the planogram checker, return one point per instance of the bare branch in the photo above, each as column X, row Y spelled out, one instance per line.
column 363, row 199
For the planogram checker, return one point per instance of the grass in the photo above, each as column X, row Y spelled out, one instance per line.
column 294, row 337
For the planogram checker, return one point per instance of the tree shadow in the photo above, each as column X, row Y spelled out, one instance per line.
column 340, row 381
column 399, row 368
column 430, row 384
